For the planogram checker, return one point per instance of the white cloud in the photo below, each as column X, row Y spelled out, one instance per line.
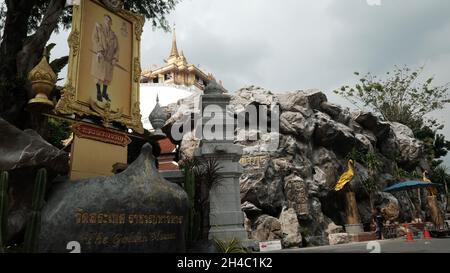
column 374, row 2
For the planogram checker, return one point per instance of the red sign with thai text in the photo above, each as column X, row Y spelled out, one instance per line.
column 92, row 132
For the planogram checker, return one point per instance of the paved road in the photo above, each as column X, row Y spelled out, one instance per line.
column 435, row 245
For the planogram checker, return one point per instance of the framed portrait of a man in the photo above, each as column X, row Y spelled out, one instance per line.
column 104, row 65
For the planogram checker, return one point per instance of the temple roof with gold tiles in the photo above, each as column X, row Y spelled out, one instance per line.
column 177, row 71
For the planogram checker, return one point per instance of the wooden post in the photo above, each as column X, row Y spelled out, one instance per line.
column 351, row 209
column 436, row 214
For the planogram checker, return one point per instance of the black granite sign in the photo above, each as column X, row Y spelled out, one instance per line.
column 134, row 211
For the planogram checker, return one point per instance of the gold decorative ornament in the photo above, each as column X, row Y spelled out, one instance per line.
column 74, row 42
column 137, row 70
column 43, row 80
column 70, row 102
column 105, row 112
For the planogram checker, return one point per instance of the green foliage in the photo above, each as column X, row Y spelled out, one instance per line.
column 230, row 246
column 58, row 130
column 210, row 172
column 435, row 145
column 205, row 171
column 373, row 162
column 154, row 10
column 305, row 231
column 356, row 155
column 401, row 174
column 399, row 97
column 193, row 228
column 3, row 210
column 369, row 185
column 440, row 175
column 34, row 222
column 57, row 64
column 369, row 159
column 200, row 177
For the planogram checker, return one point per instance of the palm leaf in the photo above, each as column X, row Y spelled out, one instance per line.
column 58, row 64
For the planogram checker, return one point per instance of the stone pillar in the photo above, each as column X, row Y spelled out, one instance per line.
column 226, row 216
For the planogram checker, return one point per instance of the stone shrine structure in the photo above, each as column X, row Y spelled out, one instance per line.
column 226, row 216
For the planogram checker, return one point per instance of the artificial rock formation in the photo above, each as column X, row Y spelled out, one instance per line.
column 313, row 142
column 134, row 211
column 22, row 153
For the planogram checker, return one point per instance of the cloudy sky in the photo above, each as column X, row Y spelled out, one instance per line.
column 300, row 44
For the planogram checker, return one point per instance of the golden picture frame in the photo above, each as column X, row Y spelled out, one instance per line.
column 104, row 66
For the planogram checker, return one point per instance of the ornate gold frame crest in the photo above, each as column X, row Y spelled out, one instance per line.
column 69, row 104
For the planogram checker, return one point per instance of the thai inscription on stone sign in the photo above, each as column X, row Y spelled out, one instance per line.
column 124, row 230
column 135, row 211
column 302, row 206
column 296, row 192
column 253, row 162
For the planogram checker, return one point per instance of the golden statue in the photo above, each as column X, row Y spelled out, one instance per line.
column 346, row 177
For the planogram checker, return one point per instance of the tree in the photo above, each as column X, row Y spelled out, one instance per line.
column 441, row 175
column 435, row 144
column 26, row 27
column 400, row 97
column 373, row 164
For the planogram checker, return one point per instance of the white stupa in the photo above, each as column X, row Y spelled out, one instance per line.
column 167, row 94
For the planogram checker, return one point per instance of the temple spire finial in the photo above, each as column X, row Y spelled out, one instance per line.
column 174, row 50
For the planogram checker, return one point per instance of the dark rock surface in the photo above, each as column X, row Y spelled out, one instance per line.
column 22, row 153
column 21, row 149
column 134, row 211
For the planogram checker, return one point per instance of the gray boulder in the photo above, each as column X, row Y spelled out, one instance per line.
column 333, row 135
column 290, row 228
column 372, row 123
column 333, row 228
column 250, row 210
column 252, row 95
column 336, row 112
column 265, row 193
column 311, row 149
column 339, row 238
column 267, row 228
column 411, row 149
column 134, row 211
column 302, row 101
column 23, row 149
column 22, row 153
column 389, row 205
column 294, row 123
column 295, row 102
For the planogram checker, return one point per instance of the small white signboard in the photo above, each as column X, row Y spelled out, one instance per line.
column 270, row 246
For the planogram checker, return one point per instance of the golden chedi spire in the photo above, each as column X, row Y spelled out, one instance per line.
column 174, row 51
column 182, row 59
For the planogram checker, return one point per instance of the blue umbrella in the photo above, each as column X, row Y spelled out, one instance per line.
column 409, row 185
